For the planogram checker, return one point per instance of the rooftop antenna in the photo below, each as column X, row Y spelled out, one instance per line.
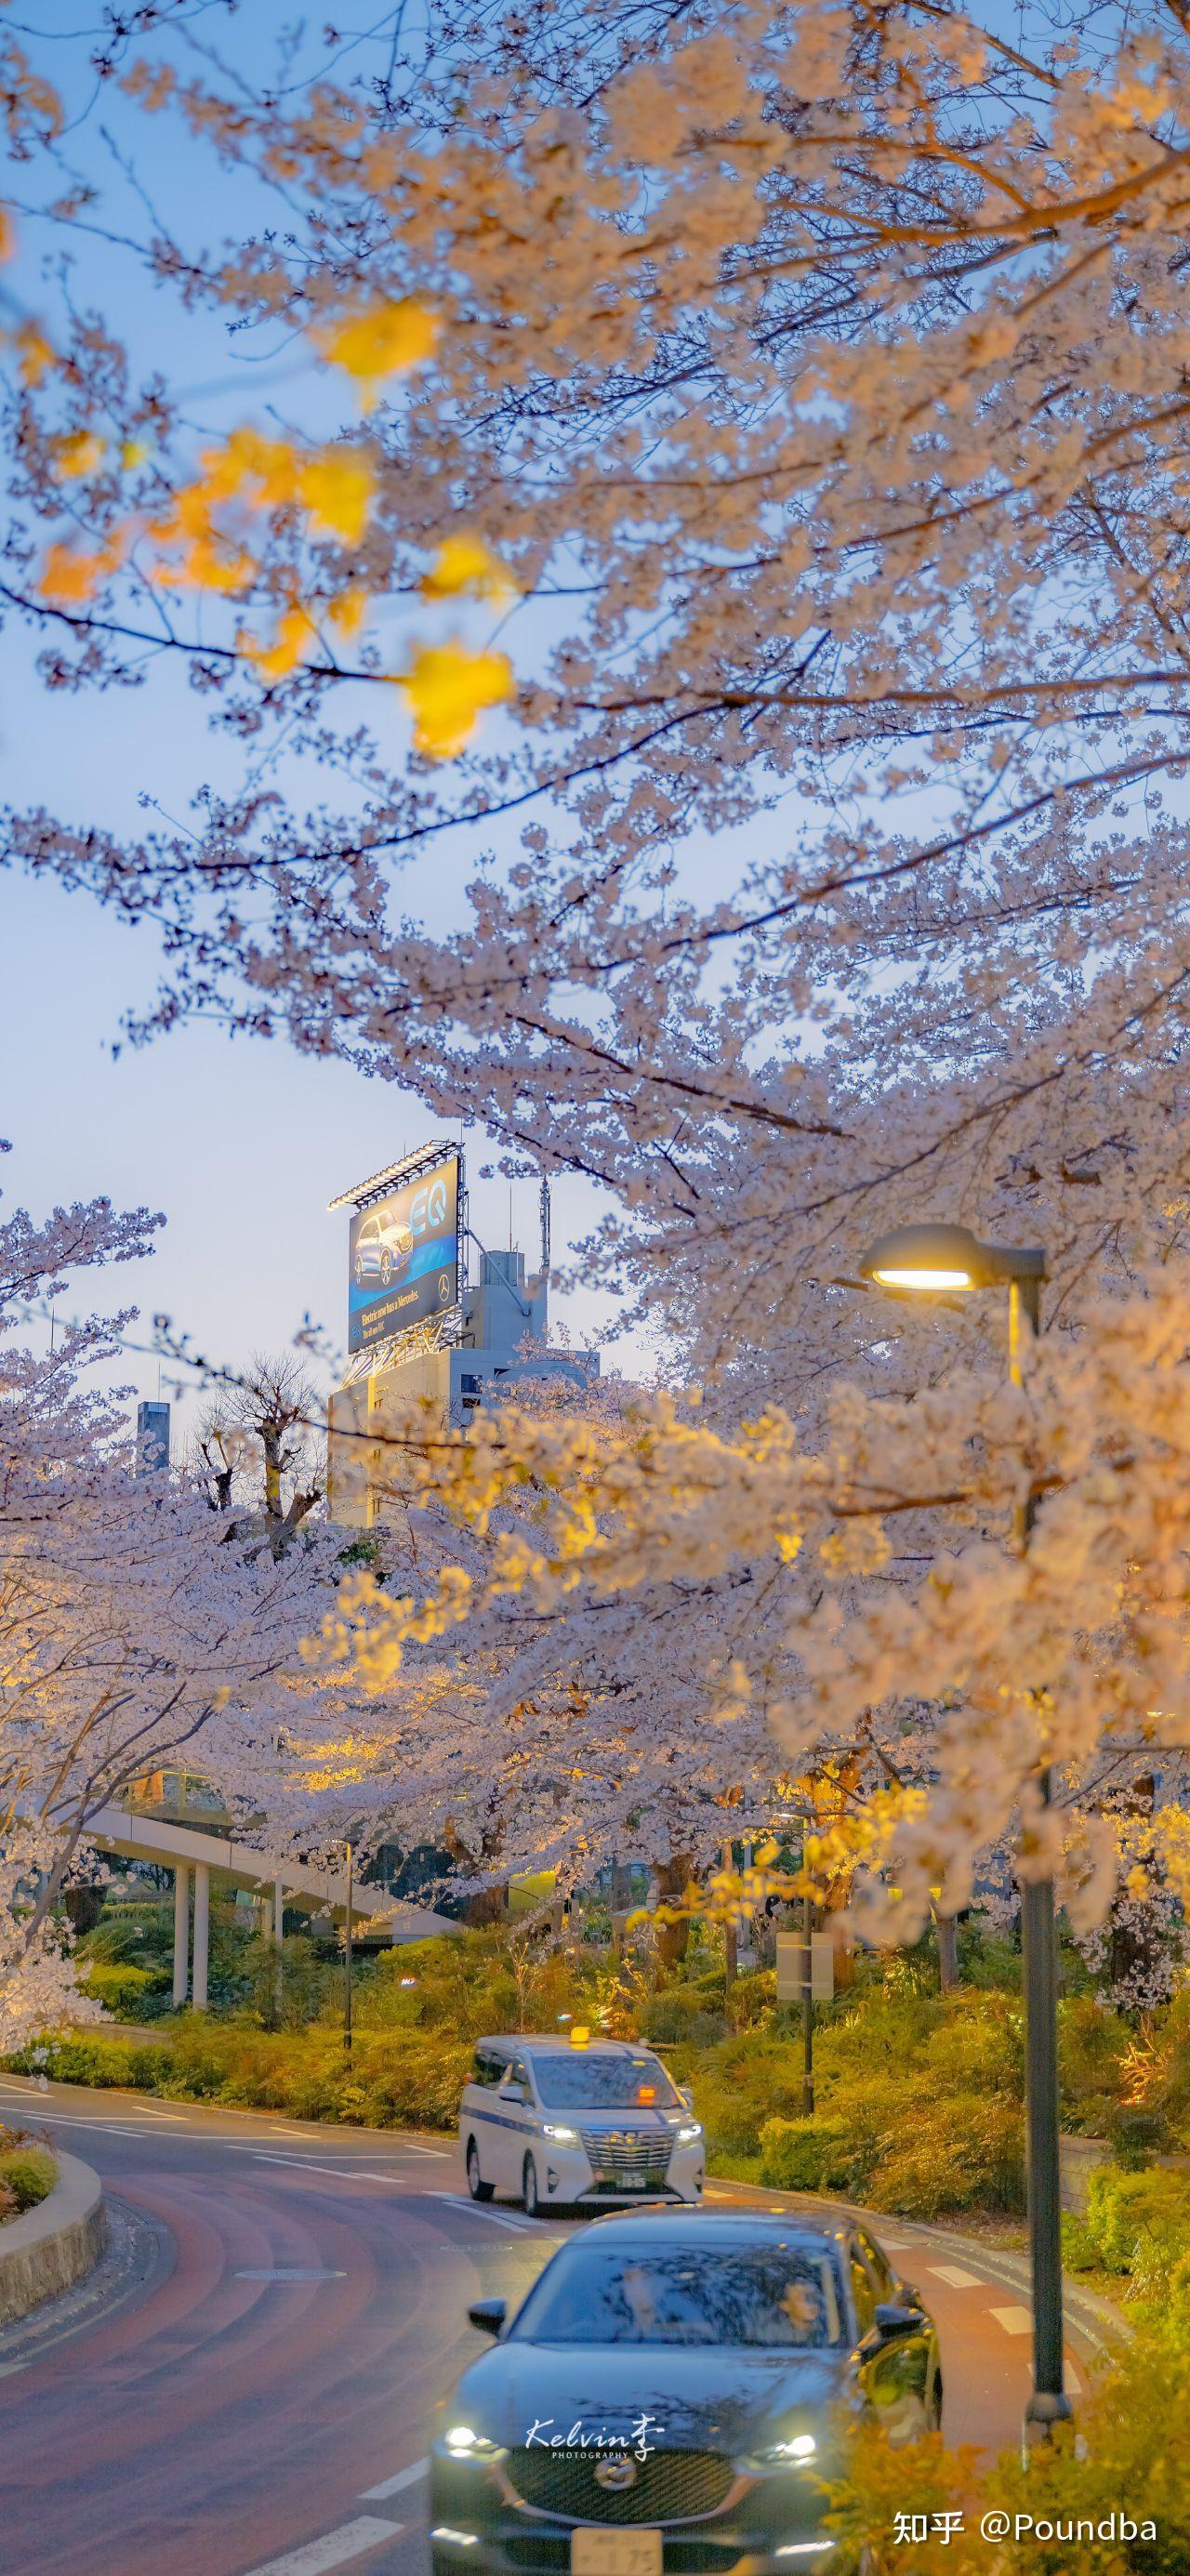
column 544, row 1204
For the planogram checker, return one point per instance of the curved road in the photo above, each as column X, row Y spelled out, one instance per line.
column 243, row 2389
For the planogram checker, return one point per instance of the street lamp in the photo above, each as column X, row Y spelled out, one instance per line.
column 945, row 1258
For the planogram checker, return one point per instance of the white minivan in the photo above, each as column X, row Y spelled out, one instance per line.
column 577, row 2121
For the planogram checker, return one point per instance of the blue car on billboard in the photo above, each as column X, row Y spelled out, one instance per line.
column 382, row 1248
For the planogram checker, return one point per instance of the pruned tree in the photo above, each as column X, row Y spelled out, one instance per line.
column 261, row 1447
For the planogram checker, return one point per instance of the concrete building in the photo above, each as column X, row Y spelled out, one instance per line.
column 478, row 1356
column 152, row 1439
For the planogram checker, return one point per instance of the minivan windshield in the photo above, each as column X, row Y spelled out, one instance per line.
column 781, row 2298
column 592, row 2080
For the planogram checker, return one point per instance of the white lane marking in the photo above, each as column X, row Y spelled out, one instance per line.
column 392, row 2486
column 290, row 2272
column 342, row 2173
column 8, row 2369
column 954, row 2273
column 101, row 2128
column 407, row 2148
column 498, row 2217
column 1073, row 2381
column 1014, row 2320
column 334, row 2549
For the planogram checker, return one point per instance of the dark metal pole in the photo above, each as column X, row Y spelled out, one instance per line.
column 347, row 1966
column 807, row 2007
column 1048, row 2402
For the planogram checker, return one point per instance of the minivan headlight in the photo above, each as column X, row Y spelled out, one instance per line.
column 564, row 2137
column 688, row 2134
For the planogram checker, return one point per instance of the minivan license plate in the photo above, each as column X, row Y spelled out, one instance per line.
column 615, row 2553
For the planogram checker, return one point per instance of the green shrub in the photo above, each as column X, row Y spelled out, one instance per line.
column 1080, row 2249
column 804, row 2155
column 1122, row 2207
column 120, row 1989
column 76, row 2058
column 962, row 2151
column 682, row 2013
column 27, row 2174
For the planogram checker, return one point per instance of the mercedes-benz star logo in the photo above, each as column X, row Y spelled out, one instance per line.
column 616, row 2475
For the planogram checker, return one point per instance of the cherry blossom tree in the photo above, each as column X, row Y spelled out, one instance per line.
column 774, row 421
column 136, row 1627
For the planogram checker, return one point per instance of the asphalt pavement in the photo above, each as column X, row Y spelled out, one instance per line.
column 243, row 2388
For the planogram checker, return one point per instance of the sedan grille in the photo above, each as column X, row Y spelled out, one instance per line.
column 628, row 2159
column 670, row 2486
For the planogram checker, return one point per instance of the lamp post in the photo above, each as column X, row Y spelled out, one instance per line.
column 936, row 1259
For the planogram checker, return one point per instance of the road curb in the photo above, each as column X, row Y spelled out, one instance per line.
column 53, row 2246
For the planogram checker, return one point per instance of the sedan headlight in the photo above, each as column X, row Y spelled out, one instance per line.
column 465, row 2444
column 692, row 2130
column 564, row 2137
column 796, row 2447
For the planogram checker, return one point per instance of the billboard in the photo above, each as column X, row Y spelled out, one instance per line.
column 404, row 1257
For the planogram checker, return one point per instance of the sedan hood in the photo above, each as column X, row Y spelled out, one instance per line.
column 717, row 2399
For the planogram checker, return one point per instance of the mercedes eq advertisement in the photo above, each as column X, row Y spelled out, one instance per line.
column 404, row 1258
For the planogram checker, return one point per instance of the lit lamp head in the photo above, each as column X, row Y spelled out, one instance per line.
column 941, row 1258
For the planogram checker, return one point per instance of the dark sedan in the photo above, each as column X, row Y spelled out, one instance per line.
column 670, row 2397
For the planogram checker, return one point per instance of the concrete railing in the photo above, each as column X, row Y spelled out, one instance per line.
column 52, row 2246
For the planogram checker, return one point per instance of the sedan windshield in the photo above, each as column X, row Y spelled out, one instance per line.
column 783, row 2298
column 591, row 2081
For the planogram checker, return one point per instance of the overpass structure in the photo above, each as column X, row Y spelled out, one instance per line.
column 189, row 1850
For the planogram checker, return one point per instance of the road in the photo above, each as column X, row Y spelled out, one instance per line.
column 243, row 2389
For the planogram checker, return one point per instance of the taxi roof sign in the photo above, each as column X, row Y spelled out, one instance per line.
column 579, row 2034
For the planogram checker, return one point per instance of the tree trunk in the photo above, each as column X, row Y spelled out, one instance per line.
column 84, row 1905
column 947, row 1930
column 673, row 1939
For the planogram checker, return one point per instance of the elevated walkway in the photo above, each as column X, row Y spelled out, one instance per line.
column 134, row 1835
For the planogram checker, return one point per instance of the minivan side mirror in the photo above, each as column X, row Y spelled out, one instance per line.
column 687, row 2096
column 488, row 2315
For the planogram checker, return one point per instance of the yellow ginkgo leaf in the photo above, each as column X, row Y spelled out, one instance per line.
column 347, row 611
column 291, row 642
column 336, row 487
column 380, row 340
column 134, row 452
column 69, row 576
column 466, row 564
column 35, row 355
column 78, row 451
column 448, row 688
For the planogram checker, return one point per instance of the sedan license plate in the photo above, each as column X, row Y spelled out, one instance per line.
column 615, row 2553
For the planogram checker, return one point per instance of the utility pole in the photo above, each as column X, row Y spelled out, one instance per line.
column 347, row 1964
